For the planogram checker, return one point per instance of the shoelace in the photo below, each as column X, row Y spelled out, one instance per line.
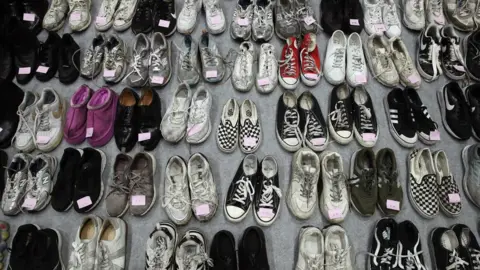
column 197, row 113
column 412, row 261
column 455, row 261
column 12, row 191
column 54, row 8
column 366, row 123
column 156, row 256
column 313, row 262
column 109, row 8
column 77, row 4
column 308, row 62
column 193, row 261
column 339, row 116
column 357, row 62
column 475, row 255
column 137, row 182
column 43, row 52
column 385, row 258
column 417, row 7
column 209, row 57
column 462, row 8
column 190, row 8
column 338, row 184
column 433, row 58
column 266, row 197
column 243, row 190
column 436, row 7
column 289, row 64
column 339, row 259
column 136, row 65
column 174, row 197
column 391, row 15
column 406, row 65
column 200, row 187
column 391, row 180
column 313, row 127
column 78, row 253
column 186, row 60
column 157, row 60
column 288, row 16
column 375, row 14
column 267, row 67
column 104, row 262
column 306, row 186
column 24, row 126
column 366, row 177
column 117, row 186
column 454, row 51
column 338, row 58
column 290, row 124
column 263, row 15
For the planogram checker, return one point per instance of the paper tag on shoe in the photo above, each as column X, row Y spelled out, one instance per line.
column 266, row 213
column 138, row 200
column 369, row 137
column 380, row 27
column 89, row 132
column 311, row 76
column 263, row 81
column 309, row 20
column 393, row 205
column 211, row 74
column 249, row 141
column 435, row 135
column 202, row 210
column 29, row 203
column 24, row 70
column 335, row 213
column 243, row 22
column 216, row 19
column 164, row 23
column 29, row 17
column 360, row 78
column 43, row 139
column 454, row 198
column 76, row 16
column 158, row 79
column 414, row 78
column 354, row 22
column 318, row 141
column 108, row 73
column 144, row 136
column 42, row 69
column 101, row 20
column 459, row 68
column 194, row 130
column 84, row 202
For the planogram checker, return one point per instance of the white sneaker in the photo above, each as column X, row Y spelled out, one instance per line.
column 334, row 66
column 202, row 187
column 174, row 122
column 49, row 120
column 80, row 17
column 85, row 244
column 56, row 15
column 214, row 16
column 391, row 20
column 111, row 244
column 372, row 17
column 187, row 19
column 356, row 67
column 24, row 137
column 199, row 123
column 434, row 12
column 242, row 75
column 104, row 19
column 337, row 249
column 267, row 77
column 414, row 14
column 177, row 196
column 227, row 132
column 250, row 128
column 124, row 15
column 310, row 249
column 161, row 246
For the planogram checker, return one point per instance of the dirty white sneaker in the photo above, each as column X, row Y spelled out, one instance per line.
column 161, row 244
column 267, row 77
column 56, row 15
column 404, row 65
column 391, row 20
column 191, row 252
column 214, row 16
column 187, row 19
column 242, row 75
column 104, row 19
column 434, row 12
column 310, row 249
column 111, row 244
column 334, row 66
column 414, row 14
column 377, row 52
column 80, row 17
column 49, row 120
column 24, row 137
column 337, row 249
column 177, row 196
column 199, row 123
column 372, row 17
column 174, row 122
column 84, row 247
column 124, row 15
column 356, row 66
column 202, row 187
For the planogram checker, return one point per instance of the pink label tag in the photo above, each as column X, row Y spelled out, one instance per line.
column 454, row 198
column 266, row 213
column 369, row 137
column 29, row 17
column 202, row 210
column 335, row 213
column 84, row 202
column 414, row 78
column 309, row 20
column 24, row 70
column 163, row 23
column 108, row 73
column 311, row 76
column 360, row 78
column 354, row 22
column 435, row 135
column 211, row 74
column 243, row 22
column 76, row 16
column 29, row 203
column 393, row 205
column 263, row 81
column 249, row 141
column 101, row 20
column 138, row 200
column 318, row 141
column 42, row 69
column 144, row 136
column 158, row 79
column 216, row 19
column 194, row 129
column 43, row 139
column 459, row 68
column 380, row 27
column 89, row 132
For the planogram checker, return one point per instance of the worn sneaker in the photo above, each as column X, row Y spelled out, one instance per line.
column 242, row 75
column 357, row 72
column 311, row 248
column 448, row 191
column 312, row 123
column 250, row 128
column 287, row 129
column 286, row 24
column 337, row 248
column 391, row 20
column 262, row 25
column 25, row 137
column 115, row 63
column 428, row 53
column 137, row 74
column 340, row 116
column 213, row 68
column 187, row 19
column 401, row 123
column 414, row 14
column 409, row 246
column 227, row 131
column 422, row 184
column 79, row 14
column 267, row 76
column 223, row 251
column 444, row 246
column 427, row 128
column 365, row 128
column 469, row 249
column 177, row 196
column 384, row 245
column 117, row 197
column 363, row 182
column 111, row 250
column 143, row 192
column 41, row 171
column 124, row 14
column 310, row 60
column 161, row 244
column 48, row 57
column 191, row 252
column 214, row 16
column 241, row 25
column 199, row 124
column 289, row 71
column 451, row 56
column 470, row 49
column 404, row 65
column 335, row 58
column 472, row 95
column 203, row 191
column 390, row 192
column 461, row 14
column 377, row 51
column 471, row 158
column 454, row 111
column 49, row 120
column 92, row 60
column 302, row 190
column 56, row 15
column 304, row 14
column 83, row 254
column 266, row 204
column 372, row 17
column 174, row 122
column 434, row 12
column 164, row 18
column 105, row 15
column 160, row 63
column 189, row 66
column 15, row 184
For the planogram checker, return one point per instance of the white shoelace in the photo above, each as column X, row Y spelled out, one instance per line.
column 77, row 4
column 266, row 199
column 243, row 190
column 290, row 124
column 157, row 60
column 174, row 197
column 374, row 14
column 289, row 63
column 78, row 253
column 475, row 255
column 313, row 127
column 366, row 123
column 455, row 261
column 340, row 259
column 391, row 15
column 136, row 65
column 156, row 256
column 433, row 56
column 339, row 115
column 313, row 262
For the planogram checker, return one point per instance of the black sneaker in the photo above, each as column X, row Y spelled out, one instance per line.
column 23, row 243
column 352, row 17
column 48, row 57
column 400, row 118
column 468, row 248
column 428, row 53
column 410, row 253
column 266, row 204
column 25, row 50
column 222, row 251
column 444, row 248
column 365, row 128
column 6, row 62
column 39, row 9
column 471, row 52
column 164, row 17
column 312, row 122
column 143, row 18
column 340, row 116
column 62, row 192
column 472, row 93
column 69, row 60
column 384, row 245
column 252, row 252
column 240, row 193
column 452, row 59
column 390, row 192
column 330, row 19
column 46, row 253
column 150, row 109
column 89, row 185
column 426, row 128
column 287, row 122
column 363, row 182
column 454, row 108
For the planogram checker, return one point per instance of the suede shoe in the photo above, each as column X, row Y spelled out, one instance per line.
column 101, row 117
column 118, row 194
column 76, row 119
column 62, row 193
column 126, row 120
column 48, row 58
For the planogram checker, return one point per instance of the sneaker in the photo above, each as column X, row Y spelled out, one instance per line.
column 62, row 192
column 15, row 184
column 267, row 76
column 104, row 19
column 334, row 196
column 124, row 15
column 363, row 182
column 372, row 17
column 223, row 251
column 110, row 252
column 407, row 72
column 427, row 128
column 50, row 256
column 434, row 12
column 356, row 66
column 160, row 61
column 85, row 243
column 377, row 51
column 48, row 58
column 69, row 60
column 470, row 158
column 262, row 25
column 476, row 16
column 24, row 137
column 454, row 109
column 335, row 59
column 473, row 98
column 227, row 131
column 239, row 198
column 413, row 14
column 174, row 122
column 384, row 245
column 250, row 136
column 117, row 197
column 337, row 248
column 49, row 120
column 214, row 16
column 391, row 20
column 189, row 66
column 390, row 192
column 93, row 58
column 55, row 17
column 400, row 120
column 202, row 187
column 304, row 14
column 428, row 53
column 143, row 192
column 448, row 191
column 177, row 195
column 164, row 18
column 143, row 18
column 302, row 190
column 310, row 248
column 468, row 245
column 312, row 123
column 23, row 245
column 242, row 75
column 213, row 68
column 410, row 248
column 460, row 14
column 266, row 204
column 340, row 116
column 287, row 129
column 310, row 60
column 366, row 129
column 79, row 14
column 199, row 123
column 286, row 24
column 444, row 246
column 25, row 50
column 191, row 251
column 41, row 172
column 252, row 245
column 187, row 19
column 137, row 74
column 115, row 63
column 451, row 56
column 289, row 71
column 422, row 184
column 241, row 25
column 100, row 125
column 161, row 244
column 332, row 16
column 469, row 48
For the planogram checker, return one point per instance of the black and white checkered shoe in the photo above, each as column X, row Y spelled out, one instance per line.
column 250, row 129
column 227, row 132
column 448, row 191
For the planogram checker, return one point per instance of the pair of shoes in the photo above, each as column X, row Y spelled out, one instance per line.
column 132, row 185
column 341, row 51
column 345, row 15
column 159, row 16
column 300, row 122
column 408, row 118
column 470, row 49
column 431, row 184
column 4, row 235
column 254, row 185
column 151, row 61
column 462, row 14
column 352, row 112
column 301, row 62
column 188, row 116
column 91, row 116
column 138, row 120
column 30, row 12
column 252, row 19
column 118, row 13
column 293, row 18
column 9, row 119
column 99, row 243
column 239, row 125
column 331, row 248
column 189, row 187
column 214, row 16
column 41, row 121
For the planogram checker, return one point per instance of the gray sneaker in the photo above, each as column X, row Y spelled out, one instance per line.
column 41, row 172
column 56, row 15
column 117, row 198
column 160, row 63
column 286, row 24
column 92, row 60
column 15, row 184
column 363, row 182
column 143, row 191
column 199, row 123
column 471, row 165
column 262, row 26
column 188, row 65
column 160, row 251
column 377, row 52
column 115, row 64
column 191, row 252
column 202, row 187
column 267, row 76
column 83, row 254
column 304, row 14
column 137, row 75
column 110, row 253
column 404, row 65
column 174, row 122
column 242, row 75
column 213, row 68
column 241, row 26
column 461, row 13
column 176, row 200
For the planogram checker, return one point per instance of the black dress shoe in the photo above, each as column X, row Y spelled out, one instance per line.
column 164, row 10
column 6, row 62
column 143, row 18
column 252, row 252
column 11, row 97
column 48, row 58
column 69, row 60
column 126, row 120
column 25, row 50
column 150, row 108
column 39, row 9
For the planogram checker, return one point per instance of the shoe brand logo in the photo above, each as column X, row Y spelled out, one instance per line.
column 46, row 179
column 447, row 103
column 473, row 109
column 57, row 114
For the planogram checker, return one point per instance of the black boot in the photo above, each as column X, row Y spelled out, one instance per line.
column 25, row 48
column 10, row 97
column 48, row 57
column 39, row 9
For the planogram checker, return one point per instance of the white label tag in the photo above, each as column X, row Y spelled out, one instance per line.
column 76, row 16
column 89, row 132
column 24, row 70
column 29, row 203
column 42, row 69
column 163, row 23
column 101, row 20
column 309, row 20
column 29, row 17
column 211, row 74
column 354, row 22
column 108, row 73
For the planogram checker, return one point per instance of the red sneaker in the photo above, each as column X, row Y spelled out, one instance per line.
column 310, row 60
column 289, row 72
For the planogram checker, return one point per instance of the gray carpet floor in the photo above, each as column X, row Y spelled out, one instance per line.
column 282, row 235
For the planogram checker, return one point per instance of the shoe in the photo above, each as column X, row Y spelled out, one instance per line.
column 50, row 257
column 337, row 248
column 391, row 20
column 241, row 25
column 150, row 107
column 164, row 18
column 333, row 200
column 310, row 60
column 15, row 184
column 177, row 194
column 302, row 190
column 476, row 16
column 41, row 172
column 227, row 131
column 124, row 15
column 137, row 73
column 9, row 119
column 377, row 52
column 126, row 120
column 427, row 128
column 312, row 123
column 23, row 245
column 451, row 57
column 372, row 17
column 223, row 252
column 214, row 17
column 143, row 18
column 160, row 63
column 111, row 243
column 448, row 191
column 24, row 51
column 407, row 72
column 6, row 60
column 434, row 12
column 252, row 245
column 203, row 191
column 187, row 19
column 104, row 19
column 422, row 184
column 242, row 74
column 444, row 245
column 85, row 243
column 473, row 99
column 69, row 60
column 334, row 67
column 24, row 136
column 266, row 204
column 365, row 128
column 49, row 120
column 92, row 61
column 143, row 192
column 191, row 251
column 468, row 245
column 357, row 72
column 390, row 192
column 3, row 164
column 469, row 48
column 79, row 14
column 384, row 245
column 329, row 20
column 161, row 244
column 363, row 182
column 267, row 76
column 189, row 66
column 428, row 53
column 37, row 8
column 74, row 130
column 454, row 109
column 262, row 24
column 115, row 63
column 56, row 15
column 213, row 68
column 304, row 14
column 289, row 71
column 102, row 108
column 118, row 195
column 400, row 120
column 414, row 14
column 62, row 192
column 311, row 248
column 174, row 122
column 409, row 246
column 199, row 123
column 460, row 14
column 340, row 116
column 239, row 198
column 286, row 24
column 470, row 157
column 48, row 58
column 88, row 189
column 250, row 128
column 287, row 129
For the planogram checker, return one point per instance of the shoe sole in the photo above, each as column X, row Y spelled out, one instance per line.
column 235, row 220
column 104, row 28
column 392, row 129
column 285, row 85
column 360, row 139
column 263, row 223
column 309, row 82
column 441, row 103
column 336, row 137
column 466, row 173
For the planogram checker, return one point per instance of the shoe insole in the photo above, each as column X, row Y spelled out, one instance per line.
column 360, row 97
column 306, row 102
column 147, row 98
column 127, row 99
column 250, row 165
column 335, row 242
column 312, row 244
column 269, row 167
column 88, row 230
column 108, row 233
column 176, row 172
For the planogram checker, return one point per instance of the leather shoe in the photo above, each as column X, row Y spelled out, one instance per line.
column 12, row 96
column 150, row 118
column 126, row 120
